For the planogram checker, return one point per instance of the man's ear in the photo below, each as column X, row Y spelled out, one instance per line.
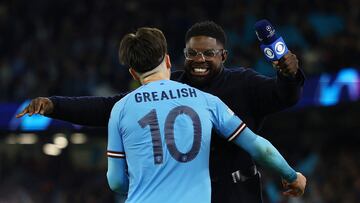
column 167, row 61
column 134, row 74
column 224, row 55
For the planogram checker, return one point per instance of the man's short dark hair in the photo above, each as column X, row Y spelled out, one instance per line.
column 143, row 50
column 207, row 28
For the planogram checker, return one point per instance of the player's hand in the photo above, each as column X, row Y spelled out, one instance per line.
column 296, row 188
column 288, row 65
column 39, row 105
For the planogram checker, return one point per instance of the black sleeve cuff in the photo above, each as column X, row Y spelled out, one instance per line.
column 299, row 77
column 55, row 102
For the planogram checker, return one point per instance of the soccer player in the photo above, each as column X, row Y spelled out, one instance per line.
column 159, row 134
column 250, row 95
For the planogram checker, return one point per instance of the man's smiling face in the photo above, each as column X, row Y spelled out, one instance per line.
column 203, row 59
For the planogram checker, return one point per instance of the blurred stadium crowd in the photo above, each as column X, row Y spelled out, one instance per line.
column 70, row 48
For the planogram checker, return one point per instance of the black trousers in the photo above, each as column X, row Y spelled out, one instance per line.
column 226, row 191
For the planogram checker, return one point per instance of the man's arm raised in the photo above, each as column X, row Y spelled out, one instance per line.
column 271, row 95
column 87, row 110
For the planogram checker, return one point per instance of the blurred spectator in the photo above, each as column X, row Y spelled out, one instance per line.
column 70, row 47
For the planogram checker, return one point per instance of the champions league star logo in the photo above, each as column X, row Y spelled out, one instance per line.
column 270, row 30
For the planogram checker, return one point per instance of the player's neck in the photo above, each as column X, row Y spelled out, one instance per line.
column 155, row 77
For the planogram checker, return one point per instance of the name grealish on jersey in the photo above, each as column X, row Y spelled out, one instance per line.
column 164, row 95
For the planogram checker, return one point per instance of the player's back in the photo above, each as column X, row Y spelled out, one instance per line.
column 166, row 131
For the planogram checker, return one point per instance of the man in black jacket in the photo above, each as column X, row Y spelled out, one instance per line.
column 250, row 95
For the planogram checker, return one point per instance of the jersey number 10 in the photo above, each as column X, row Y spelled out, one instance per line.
column 152, row 120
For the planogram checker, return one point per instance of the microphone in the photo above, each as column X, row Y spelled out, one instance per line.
column 272, row 45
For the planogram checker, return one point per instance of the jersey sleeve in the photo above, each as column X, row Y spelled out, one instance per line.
column 225, row 122
column 115, row 146
column 116, row 174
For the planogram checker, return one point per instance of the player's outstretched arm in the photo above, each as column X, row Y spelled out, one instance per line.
column 264, row 153
column 260, row 149
column 86, row 110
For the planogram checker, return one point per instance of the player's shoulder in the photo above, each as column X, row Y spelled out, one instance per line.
column 211, row 99
column 119, row 105
column 179, row 84
column 208, row 97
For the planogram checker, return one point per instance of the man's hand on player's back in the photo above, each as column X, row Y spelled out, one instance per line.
column 296, row 188
column 39, row 105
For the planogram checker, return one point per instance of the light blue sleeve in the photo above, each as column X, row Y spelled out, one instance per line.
column 117, row 168
column 225, row 122
column 260, row 149
column 264, row 153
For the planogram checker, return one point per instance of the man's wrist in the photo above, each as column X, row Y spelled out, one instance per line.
column 299, row 77
column 292, row 177
column 287, row 74
column 54, row 102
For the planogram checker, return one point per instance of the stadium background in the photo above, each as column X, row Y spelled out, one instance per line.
column 70, row 48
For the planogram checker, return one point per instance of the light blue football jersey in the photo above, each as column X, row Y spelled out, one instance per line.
column 163, row 130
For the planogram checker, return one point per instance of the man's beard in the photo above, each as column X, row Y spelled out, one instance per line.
column 197, row 79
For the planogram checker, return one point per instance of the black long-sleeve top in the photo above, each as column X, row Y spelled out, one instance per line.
column 250, row 95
